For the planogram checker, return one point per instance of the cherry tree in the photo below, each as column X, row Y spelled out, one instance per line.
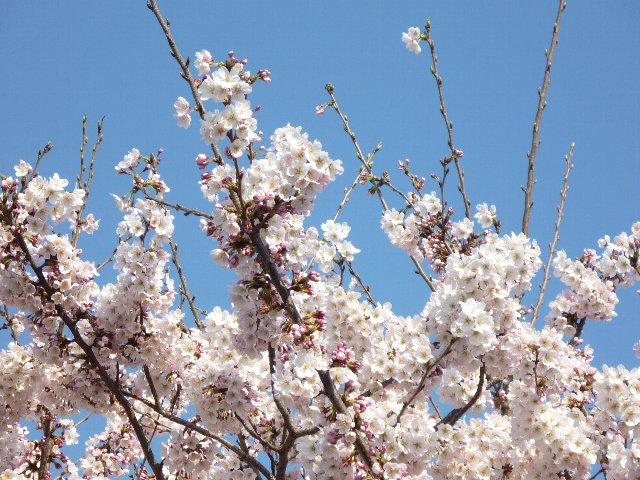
column 307, row 375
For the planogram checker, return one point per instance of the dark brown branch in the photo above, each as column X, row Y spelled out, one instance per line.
column 579, row 326
column 443, row 110
column 112, row 385
column 556, row 234
column 423, row 380
column 252, row 462
column 46, row 445
column 333, row 396
column 454, row 415
column 251, row 431
column 274, row 277
column 152, row 387
column 595, row 475
column 542, row 103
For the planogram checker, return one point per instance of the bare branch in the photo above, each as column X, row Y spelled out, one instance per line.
column 186, row 73
column 443, row 110
column 542, row 103
column 366, row 164
column 556, row 234
column 251, row 431
column 356, row 275
column 178, row 207
column 152, row 387
column 46, row 445
column 41, row 153
column 345, row 122
column 347, row 192
column 185, row 288
column 86, row 186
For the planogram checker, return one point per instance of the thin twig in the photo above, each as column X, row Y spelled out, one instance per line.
column 435, row 406
column 356, row 275
column 185, row 288
column 347, row 192
column 184, row 65
column 255, row 434
column 82, row 420
column 41, row 153
column 556, row 234
column 83, row 148
column 252, row 462
column 178, row 207
column 542, row 103
column 345, row 122
column 367, row 166
column 423, row 380
column 86, row 186
column 107, row 260
column 443, row 110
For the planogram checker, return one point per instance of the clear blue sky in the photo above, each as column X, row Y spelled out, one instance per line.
column 62, row 60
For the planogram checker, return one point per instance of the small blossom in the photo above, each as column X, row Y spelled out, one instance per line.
column 411, row 39
column 23, row 169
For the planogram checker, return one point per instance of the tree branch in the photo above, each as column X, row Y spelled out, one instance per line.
column 556, row 234
column 184, row 65
column 333, row 396
column 535, row 140
column 257, row 466
column 185, row 288
column 86, row 186
column 454, row 415
column 347, row 191
column 443, row 110
column 423, row 380
column 41, row 153
column 366, row 165
column 112, row 385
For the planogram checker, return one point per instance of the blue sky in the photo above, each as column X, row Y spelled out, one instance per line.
column 62, row 60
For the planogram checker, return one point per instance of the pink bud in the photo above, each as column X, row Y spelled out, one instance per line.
column 202, row 161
